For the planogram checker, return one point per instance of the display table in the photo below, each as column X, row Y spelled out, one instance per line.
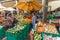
column 18, row 34
column 2, row 32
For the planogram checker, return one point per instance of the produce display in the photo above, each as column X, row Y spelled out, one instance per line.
column 55, row 17
column 40, row 27
column 57, row 14
column 15, row 29
column 2, row 19
column 49, row 36
column 24, row 22
column 46, row 27
column 56, row 21
column 37, row 36
column 50, row 28
column 18, row 33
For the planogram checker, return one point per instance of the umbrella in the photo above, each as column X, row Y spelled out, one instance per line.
column 54, row 5
column 28, row 6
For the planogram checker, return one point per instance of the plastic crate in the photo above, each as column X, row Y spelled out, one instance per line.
column 53, row 35
column 21, row 35
column 2, row 32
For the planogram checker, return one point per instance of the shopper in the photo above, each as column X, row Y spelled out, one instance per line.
column 34, row 19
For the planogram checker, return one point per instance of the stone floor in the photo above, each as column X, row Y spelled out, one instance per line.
column 28, row 38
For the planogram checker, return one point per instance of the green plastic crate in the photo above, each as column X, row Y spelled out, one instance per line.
column 53, row 35
column 21, row 35
column 2, row 32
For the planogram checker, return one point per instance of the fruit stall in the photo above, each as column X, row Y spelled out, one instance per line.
column 46, row 36
column 49, row 30
column 46, row 31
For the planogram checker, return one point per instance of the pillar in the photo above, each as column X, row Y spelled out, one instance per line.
column 44, row 10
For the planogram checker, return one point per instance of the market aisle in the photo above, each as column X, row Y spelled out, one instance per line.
column 28, row 38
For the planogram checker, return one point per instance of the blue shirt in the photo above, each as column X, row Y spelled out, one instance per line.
column 34, row 18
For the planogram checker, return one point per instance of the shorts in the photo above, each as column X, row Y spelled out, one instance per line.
column 34, row 27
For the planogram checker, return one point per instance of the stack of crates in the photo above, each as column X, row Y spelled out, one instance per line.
column 2, row 32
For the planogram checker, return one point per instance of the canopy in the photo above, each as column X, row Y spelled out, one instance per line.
column 9, row 9
column 54, row 5
column 1, row 7
column 28, row 6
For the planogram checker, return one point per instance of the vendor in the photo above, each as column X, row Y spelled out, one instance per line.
column 11, row 20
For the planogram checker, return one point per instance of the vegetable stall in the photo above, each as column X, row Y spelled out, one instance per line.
column 18, row 33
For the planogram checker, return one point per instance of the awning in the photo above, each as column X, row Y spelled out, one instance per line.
column 1, row 7
column 9, row 9
column 28, row 6
column 9, row 3
column 53, row 5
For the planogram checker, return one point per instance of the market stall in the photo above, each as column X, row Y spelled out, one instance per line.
column 54, row 13
column 22, row 29
column 19, row 26
column 46, row 31
column 49, row 31
column 18, row 33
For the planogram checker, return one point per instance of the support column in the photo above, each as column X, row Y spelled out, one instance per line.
column 44, row 9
